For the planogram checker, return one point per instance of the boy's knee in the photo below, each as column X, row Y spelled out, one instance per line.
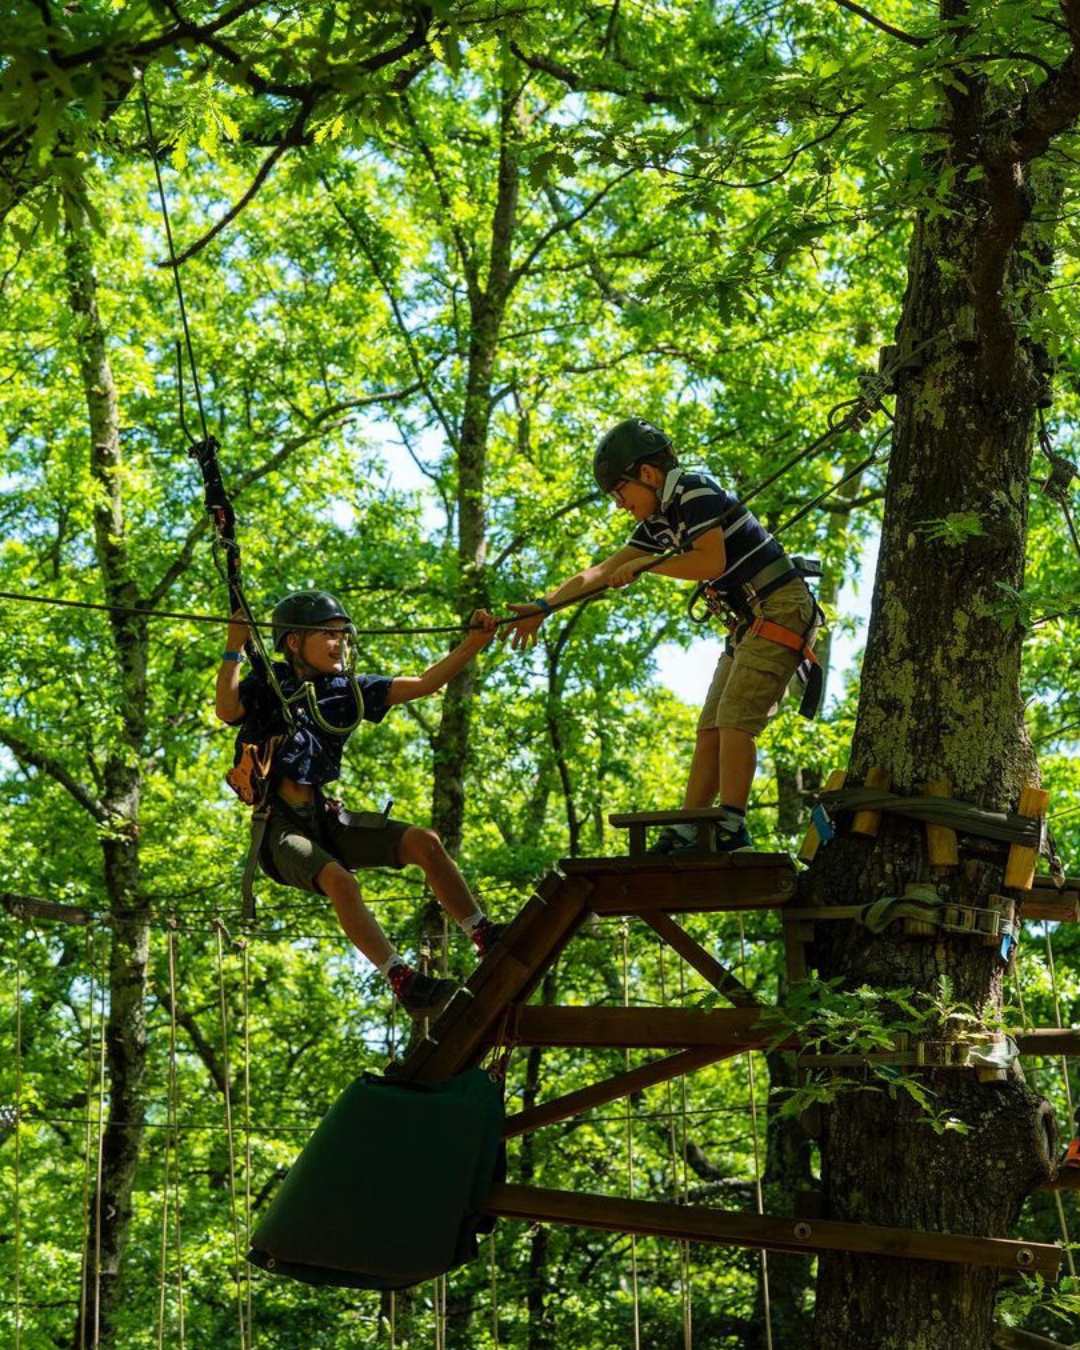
column 421, row 845
column 338, row 884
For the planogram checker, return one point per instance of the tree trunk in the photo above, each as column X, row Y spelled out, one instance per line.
column 487, row 309
column 940, row 698
column 125, row 1032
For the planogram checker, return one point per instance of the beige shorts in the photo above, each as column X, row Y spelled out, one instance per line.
column 750, row 681
column 301, row 840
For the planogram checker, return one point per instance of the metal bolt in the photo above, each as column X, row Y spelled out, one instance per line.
column 1025, row 1257
column 803, row 1231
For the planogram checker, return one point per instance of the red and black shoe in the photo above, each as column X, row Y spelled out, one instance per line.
column 420, row 995
column 487, row 935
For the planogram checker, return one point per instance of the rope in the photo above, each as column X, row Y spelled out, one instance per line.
column 227, row 1095
column 678, row 1181
column 87, row 1136
column 684, row 1247
column 172, row 1144
column 18, row 1142
column 245, row 973
column 630, row 1146
column 765, row 1293
column 494, row 1293
column 1068, row 1099
column 96, row 1336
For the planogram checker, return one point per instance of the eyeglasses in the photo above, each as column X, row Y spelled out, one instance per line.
column 616, row 493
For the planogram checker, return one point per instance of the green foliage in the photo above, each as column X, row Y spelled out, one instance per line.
column 710, row 227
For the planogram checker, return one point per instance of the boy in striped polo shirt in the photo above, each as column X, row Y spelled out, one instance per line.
column 746, row 571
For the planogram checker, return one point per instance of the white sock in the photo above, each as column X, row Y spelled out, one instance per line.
column 469, row 925
column 394, row 959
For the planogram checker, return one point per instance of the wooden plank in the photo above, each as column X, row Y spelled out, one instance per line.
column 1020, row 867
column 812, row 840
column 683, row 815
column 695, row 955
column 696, row 1224
column 1045, row 901
column 1049, row 1041
column 658, row 864
column 464, row 1031
column 796, row 935
column 868, row 822
column 692, row 890
column 1067, row 1179
column 646, row 1028
column 941, row 844
column 611, row 1089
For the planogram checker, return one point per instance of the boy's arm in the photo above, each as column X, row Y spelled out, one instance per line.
column 404, row 688
column 227, row 703
column 706, row 559
column 588, row 579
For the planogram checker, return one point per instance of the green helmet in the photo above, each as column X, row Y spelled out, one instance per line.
column 304, row 609
column 623, row 447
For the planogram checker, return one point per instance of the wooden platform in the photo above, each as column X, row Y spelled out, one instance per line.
column 492, row 1010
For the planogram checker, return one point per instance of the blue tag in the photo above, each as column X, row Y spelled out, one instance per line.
column 1007, row 944
column 822, row 823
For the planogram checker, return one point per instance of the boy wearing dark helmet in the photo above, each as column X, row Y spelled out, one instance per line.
column 310, row 843
column 746, row 570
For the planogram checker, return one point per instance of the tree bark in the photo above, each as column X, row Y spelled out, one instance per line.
column 940, row 698
column 125, row 1031
column 487, row 306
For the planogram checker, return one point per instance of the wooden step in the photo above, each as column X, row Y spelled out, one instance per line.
column 697, row 1224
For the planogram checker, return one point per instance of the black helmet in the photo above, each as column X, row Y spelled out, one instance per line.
column 623, row 446
column 304, row 609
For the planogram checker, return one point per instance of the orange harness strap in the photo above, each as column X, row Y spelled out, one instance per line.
column 786, row 637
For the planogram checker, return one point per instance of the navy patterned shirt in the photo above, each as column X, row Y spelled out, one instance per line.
column 308, row 754
column 691, row 503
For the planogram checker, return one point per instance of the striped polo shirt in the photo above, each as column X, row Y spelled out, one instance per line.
column 693, row 502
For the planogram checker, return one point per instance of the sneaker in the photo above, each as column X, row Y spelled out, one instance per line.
column 674, row 840
column 487, row 934
column 423, row 995
column 732, row 841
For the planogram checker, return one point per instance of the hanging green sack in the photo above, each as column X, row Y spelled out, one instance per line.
column 390, row 1189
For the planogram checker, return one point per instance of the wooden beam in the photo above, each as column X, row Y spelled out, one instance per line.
column 1067, row 1179
column 690, row 1223
column 694, row 885
column 812, row 840
column 1020, row 866
column 1048, row 1041
column 473, row 1019
column 941, row 844
column 611, row 1089
column 688, row 815
column 646, row 1028
column 695, row 955
column 869, row 822
column 1045, row 901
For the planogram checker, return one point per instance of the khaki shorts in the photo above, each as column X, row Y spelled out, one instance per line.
column 750, row 681
column 301, row 840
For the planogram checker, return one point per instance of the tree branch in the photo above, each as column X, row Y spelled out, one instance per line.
column 321, row 424
column 29, row 757
column 899, row 33
column 1055, row 105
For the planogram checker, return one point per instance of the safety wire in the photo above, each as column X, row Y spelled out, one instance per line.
column 630, row 1146
column 678, row 1175
column 1068, row 1099
column 95, row 1338
column 87, row 1137
column 684, row 1141
column 765, row 1294
column 227, row 1096
column 246, row 976
column 18, row 1140
column 173, row 1142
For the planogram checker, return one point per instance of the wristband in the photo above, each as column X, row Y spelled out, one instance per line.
column 543, row 606
column 232, row 656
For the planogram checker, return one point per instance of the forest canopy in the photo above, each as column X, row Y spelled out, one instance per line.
column 429, row 254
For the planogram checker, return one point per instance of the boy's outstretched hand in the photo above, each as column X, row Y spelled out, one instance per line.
column 482, row 628
column 522, row 633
